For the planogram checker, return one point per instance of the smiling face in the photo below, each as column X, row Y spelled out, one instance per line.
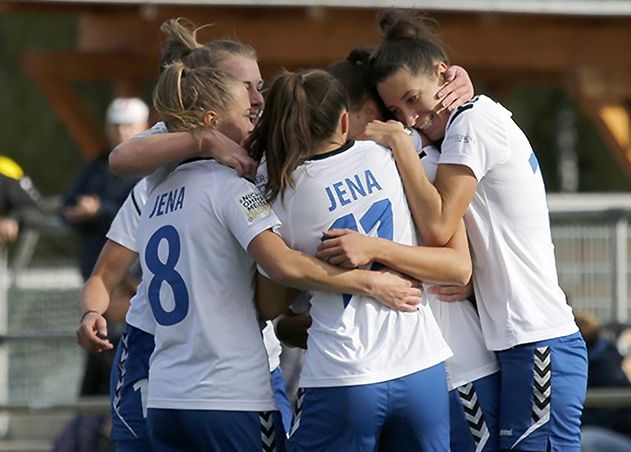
column 411, row 97
column 247, row 70
column 235, row 123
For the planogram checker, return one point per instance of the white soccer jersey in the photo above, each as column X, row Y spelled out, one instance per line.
column 356, row 340
column 193, row 235
column 458, row 320
column 508, row 225
column 123, row 231
column 139, row 314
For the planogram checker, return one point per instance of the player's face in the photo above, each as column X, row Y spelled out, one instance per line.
column 359, row 119
column 412, row 100
column 247, row 70
column 236, row 122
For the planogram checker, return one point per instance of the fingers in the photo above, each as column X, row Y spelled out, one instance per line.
column 450, row 102
column 337, row 260
column 450, row 73
column 450, row 293
column 326, row 246
column 410, row 304
column 90, row 342
column 101, row 327
column 332, row 233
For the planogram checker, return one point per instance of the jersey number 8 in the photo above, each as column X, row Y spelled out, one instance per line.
column 166, row 273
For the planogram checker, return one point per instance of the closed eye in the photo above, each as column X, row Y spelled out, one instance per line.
column 412, row 99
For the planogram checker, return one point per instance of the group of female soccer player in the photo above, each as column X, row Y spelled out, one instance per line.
column 359, row 213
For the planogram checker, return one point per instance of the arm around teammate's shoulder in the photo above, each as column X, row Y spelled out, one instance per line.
column 436, row 208
column 142, row 156
column 442, row 265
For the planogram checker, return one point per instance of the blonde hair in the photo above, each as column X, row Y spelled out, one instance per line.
column 182, row 96
column 182, row 44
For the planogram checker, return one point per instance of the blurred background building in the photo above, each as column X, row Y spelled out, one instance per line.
column 562, row 66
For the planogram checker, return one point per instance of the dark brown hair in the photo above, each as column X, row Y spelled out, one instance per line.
column 409, row 41
column 302, row 112
column 353, row 74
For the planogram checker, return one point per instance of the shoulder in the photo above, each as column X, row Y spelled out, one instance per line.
column 478, row 111
column 373, row 148
column 157, row 128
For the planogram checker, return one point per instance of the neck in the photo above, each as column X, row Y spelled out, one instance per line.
column 330, row 145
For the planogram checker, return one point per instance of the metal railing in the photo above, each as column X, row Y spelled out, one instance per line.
column 591, row 236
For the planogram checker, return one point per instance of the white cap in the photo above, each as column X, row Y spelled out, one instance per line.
column 127, row 110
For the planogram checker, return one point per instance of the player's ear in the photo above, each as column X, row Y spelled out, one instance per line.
column 210, row 118
column 370, row 111
column 344, row 122
column 440, row 68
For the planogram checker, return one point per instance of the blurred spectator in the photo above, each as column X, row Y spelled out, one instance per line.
column 603, row 428
column 624, row 347
column 89, row 208
column 97, row 194
column 19, row 201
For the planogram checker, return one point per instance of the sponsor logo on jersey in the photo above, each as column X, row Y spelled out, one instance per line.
column 254, row 206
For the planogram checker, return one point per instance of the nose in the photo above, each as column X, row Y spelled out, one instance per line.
column 410, row 120
column 256, row 98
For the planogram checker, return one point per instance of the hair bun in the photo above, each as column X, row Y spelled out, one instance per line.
column 358, row 57
column 398, row 24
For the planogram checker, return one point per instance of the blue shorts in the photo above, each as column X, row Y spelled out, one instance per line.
column 215, row 431
column 474, row 412
column 410, row 413
column 280, row 397
column 542, row 394
column 128, row 388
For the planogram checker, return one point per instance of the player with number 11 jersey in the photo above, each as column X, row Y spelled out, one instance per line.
column 372, row 377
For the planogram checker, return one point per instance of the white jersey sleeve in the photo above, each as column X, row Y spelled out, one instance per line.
column 246, row 212
column 125, row 224
column 463, row 144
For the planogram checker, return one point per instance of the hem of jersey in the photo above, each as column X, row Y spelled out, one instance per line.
column 122, row 240
column 144, row 326
column 371, row 378
column 461, row 159
column 537, row 336
column 210, row 404
column 473, row 375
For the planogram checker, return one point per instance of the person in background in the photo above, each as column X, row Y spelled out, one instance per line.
column 97, row 194
column 90, row 207
column 603, row 428
column 19, row 200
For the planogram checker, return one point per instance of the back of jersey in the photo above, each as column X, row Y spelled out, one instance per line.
column 356, row 340
column 192, row 238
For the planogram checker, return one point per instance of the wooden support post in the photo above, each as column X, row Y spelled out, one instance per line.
column 603, row 96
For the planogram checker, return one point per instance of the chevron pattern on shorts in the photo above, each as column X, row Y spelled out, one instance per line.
column 542, row 384
column 295, row 422
column 473, row 414
column 122, row 370
column 268, row 435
